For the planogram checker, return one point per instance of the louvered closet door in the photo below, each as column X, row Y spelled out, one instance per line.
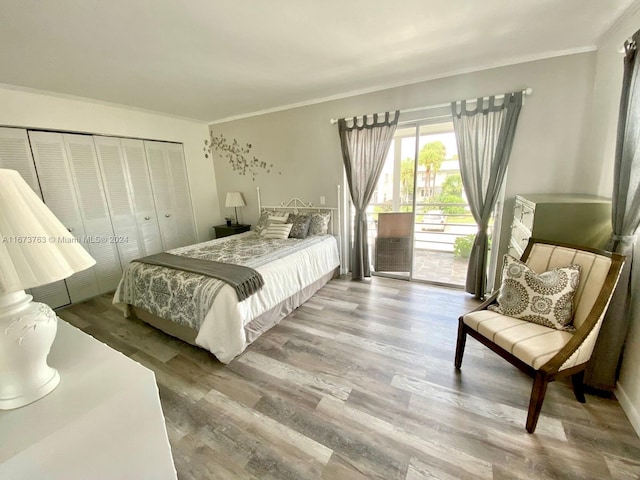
column 118, row 193
column 181, row 194
column 94, row 210
column 145, row 210
column 59, row 194
column 15, row 154
column 162, row 193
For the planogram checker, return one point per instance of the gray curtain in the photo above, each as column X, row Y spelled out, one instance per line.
column 602, row 371
column 484, row 137
column 364, row 150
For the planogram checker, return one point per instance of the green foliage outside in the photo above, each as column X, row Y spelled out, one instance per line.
column 452, row 193
column 462, row 246
column 380, row 208
column 387, row 207
column 406, row 180
column 431, row 157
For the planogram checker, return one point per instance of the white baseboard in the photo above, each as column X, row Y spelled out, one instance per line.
column 629, row 408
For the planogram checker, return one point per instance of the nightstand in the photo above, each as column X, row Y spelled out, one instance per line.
column 225, row 231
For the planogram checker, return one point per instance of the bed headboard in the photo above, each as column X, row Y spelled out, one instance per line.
column 296, row 205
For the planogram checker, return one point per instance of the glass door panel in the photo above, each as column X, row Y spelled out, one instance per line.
column 444, row 228
column 422, row 175
column 391, row 209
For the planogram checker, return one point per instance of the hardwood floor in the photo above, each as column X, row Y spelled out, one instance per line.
column 359, row 383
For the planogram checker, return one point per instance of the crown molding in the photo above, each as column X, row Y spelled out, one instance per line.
column 387, row 86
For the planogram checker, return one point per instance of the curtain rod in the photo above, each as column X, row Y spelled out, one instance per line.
column 525, row 92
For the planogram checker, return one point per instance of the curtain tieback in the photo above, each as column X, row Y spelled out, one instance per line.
column 628, row 239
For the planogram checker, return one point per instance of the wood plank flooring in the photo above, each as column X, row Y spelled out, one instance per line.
column 359, row 383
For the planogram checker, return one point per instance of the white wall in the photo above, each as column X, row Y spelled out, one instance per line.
column 601, row 149
column 22, row 108
column 546, row 153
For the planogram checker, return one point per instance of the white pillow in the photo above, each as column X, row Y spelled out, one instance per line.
column 279, row 217
column 278, row 230
column 274, row 217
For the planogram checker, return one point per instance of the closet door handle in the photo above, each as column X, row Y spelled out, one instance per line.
column 167, row 215
column 70, row 230
column 147, row 218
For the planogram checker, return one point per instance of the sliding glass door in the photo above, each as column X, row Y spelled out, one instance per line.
column 419, row 222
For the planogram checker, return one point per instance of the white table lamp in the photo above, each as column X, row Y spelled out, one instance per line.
column 35, row 249
column 235, row 200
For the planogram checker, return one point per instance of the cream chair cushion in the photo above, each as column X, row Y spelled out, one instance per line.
column 536, row 344
column 532, row 343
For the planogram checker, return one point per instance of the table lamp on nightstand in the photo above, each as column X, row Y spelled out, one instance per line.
column 235, row 200
column 35, row 249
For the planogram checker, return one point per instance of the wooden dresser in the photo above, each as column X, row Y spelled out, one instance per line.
column 576, row 219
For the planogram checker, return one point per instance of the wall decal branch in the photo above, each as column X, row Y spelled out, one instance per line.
column 238, row 156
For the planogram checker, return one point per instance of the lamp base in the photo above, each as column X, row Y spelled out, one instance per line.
column 28, row 330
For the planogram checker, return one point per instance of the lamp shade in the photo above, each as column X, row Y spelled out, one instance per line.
column 234, row 199
column 35, row 247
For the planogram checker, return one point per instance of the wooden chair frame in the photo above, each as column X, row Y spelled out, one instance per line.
column 550, row 371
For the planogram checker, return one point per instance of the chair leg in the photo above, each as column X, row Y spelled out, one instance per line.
column 578, row 386
column 462, row 340
column 538, row 391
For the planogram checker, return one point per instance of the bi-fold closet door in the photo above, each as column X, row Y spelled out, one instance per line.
column 135, row 162
column 171, row 193
column 15, row 154
column 72, row 188
column 121, row 198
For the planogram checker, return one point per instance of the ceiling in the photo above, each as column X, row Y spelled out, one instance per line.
column 214, row 59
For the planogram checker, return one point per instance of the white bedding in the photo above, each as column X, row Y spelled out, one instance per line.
column 222, row 330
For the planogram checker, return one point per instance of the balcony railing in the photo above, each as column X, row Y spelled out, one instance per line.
column 435, row 230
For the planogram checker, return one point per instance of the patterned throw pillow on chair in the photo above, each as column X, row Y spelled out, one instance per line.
column 544, row 298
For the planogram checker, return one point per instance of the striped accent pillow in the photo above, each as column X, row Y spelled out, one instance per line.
column 278, row 217
column 278, row 230
column 272, row 217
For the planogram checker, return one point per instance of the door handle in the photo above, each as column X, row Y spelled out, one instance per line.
column 147, row 218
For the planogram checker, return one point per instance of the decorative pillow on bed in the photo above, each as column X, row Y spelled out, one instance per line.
column 545, row 298
column 278, row 230
column 267, row 218
column 262, row 222
column 278, row 217
column 319, row 223
column 300, row 225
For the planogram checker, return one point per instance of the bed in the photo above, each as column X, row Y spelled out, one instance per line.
column 207, row 312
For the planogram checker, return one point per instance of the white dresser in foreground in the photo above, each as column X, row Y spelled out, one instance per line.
column 104, row 421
